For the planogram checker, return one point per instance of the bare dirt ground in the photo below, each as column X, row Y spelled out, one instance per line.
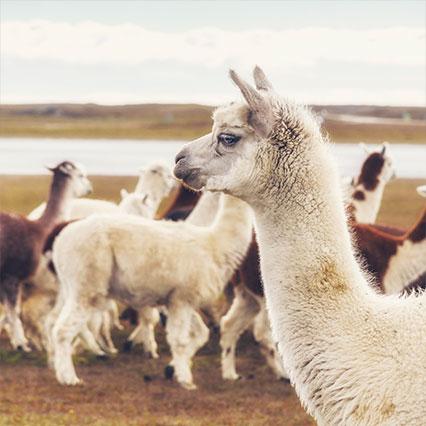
column 129, row 389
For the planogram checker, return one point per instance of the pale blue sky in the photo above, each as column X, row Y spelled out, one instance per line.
column 179, row 51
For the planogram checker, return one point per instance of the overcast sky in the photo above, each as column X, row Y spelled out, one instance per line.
column 339, row 52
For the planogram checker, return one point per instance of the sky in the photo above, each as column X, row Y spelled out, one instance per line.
column 115, row 52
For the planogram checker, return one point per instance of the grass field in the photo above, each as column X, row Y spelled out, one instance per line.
column 157, row 121
column 129, row 389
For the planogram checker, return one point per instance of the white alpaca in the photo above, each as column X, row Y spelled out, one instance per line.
column 353, row 356
column 367, row 189
column 203, row 214
column 248, row 307
column 43, row 289
column 146, row 263
column 155, row 183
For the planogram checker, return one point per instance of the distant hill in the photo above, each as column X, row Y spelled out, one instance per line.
column 344, row 123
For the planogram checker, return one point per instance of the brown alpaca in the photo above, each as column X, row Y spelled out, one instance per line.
column 22, row 241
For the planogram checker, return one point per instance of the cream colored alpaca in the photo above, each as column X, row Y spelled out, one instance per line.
column 155, row 183
column 203, row 214
column 353, row 356
column 146, row 263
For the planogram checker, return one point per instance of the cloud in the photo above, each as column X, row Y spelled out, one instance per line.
column 91, row 42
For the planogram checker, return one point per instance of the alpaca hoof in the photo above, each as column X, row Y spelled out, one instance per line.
column 188, row 386
column 163, row 319
column 102, row 357
column 147, row 378
column 112, row 351
column 70, row 381
column 127, row 346
column 169, row 372
column 152, row 355
column 232, row 377
column 23, row 348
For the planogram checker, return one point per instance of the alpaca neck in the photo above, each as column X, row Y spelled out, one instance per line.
column 231, row 233
column 206, row 209
column 309, row 272
column 58, row 205
column 366, row 210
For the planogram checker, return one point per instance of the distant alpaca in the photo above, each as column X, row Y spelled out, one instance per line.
column 22, row 240
column 394, row 261
column 367, row 193
column 155, row 182
column 142, row 263
column 352, row 355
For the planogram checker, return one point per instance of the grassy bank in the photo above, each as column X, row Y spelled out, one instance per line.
column 156, row 121
column 401, row 204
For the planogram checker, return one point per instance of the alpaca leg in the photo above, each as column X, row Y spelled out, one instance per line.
column 239, row 317
column 199, row 333
column 90, row 341
column 12, row 308
column 263, row 334
column 49, row 323
column 145, row 332
column 178, row 329
column 70, row 322
column 107, row 323
column 114, row 314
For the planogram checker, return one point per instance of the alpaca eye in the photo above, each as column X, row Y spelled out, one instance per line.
column 227, row 139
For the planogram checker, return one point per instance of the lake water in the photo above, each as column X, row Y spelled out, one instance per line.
column 124, row 157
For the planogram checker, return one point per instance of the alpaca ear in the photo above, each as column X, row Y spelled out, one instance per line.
column 123, row 193
column 50, row 168
column 261, row 117
column 66, row 168
column 421, row 190
column 365, row 148
column 385, row 146
column 260, row 80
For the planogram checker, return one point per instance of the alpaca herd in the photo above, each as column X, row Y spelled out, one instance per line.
column 335, row 301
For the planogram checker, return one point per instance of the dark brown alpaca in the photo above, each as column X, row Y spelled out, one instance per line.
column 22, row 241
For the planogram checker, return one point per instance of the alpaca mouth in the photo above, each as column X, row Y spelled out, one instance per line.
column 190, row 177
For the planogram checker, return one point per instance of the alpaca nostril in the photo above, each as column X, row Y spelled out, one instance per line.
column 179, row 156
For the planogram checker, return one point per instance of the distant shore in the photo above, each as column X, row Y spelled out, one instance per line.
column 344, row 124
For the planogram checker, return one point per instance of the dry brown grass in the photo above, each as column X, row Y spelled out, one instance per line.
column 130, row 390
column 117, row 392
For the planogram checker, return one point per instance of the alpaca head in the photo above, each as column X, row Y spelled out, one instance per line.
column 249, row 142
column 377, row 167
column 137, row 204
column 77, row 176
column 156, row 180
